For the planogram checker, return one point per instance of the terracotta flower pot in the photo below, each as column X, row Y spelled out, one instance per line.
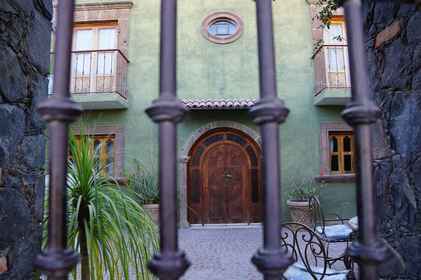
column 300, row 212
column 153, row 211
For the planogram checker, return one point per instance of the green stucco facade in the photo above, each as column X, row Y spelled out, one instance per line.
column 212, row 71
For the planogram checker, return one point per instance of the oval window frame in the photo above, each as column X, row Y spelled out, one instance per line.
column 212, row 18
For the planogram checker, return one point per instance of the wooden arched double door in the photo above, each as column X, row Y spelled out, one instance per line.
column 224, row 183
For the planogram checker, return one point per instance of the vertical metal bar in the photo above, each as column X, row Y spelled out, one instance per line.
column 83, row 71
column 167, row 110
column 59, row 111
column 93, row 73
column 268, row 113
column 168, row 162
column 100, row 75
column 361, row 112
column 73, row 76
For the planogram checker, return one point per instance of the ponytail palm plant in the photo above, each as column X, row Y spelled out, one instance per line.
column 106, row 224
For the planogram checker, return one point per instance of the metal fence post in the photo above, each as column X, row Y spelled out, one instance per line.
column 268, row 113
column 361, row 112
column 167, row 110
column 59, row 111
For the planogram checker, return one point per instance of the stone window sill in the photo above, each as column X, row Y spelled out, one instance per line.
column 335, row 178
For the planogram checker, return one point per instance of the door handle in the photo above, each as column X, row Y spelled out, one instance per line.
column 227, row 176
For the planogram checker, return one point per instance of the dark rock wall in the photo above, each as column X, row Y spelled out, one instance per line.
column 394, row 51
column 24, row 63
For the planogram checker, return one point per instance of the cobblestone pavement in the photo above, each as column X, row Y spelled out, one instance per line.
column 224, row 253
column 220, row 254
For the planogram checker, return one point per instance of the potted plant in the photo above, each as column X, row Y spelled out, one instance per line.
column 298, row 201
column 145, row 184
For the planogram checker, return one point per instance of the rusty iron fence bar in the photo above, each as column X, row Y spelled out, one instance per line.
column 361, row 112
column 268, row 113
column 56, row 261
column 167, row 110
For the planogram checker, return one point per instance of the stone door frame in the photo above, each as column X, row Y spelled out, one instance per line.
column 184, row 157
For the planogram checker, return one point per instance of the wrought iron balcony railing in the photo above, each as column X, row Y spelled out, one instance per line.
column 331, row 65
column 99, row 71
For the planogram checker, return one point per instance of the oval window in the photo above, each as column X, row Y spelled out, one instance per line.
column 222, row 27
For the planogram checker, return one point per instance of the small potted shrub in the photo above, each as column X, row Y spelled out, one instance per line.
column 298, row 201
column 145, row 184
column 150, row 202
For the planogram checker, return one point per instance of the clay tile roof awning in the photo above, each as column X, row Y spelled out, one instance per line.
column 222, row 104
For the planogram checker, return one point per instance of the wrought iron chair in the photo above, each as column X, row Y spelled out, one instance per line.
column 330, row 230
column 309, row 253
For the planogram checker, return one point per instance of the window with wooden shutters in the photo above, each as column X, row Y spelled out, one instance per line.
column 104, row 147
column 337, row 153
column 341, row 152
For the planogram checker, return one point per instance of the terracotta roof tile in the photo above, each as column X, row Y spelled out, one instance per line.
column 221, row 104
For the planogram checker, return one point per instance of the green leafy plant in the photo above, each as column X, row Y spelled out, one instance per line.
column 326, row 9
column 106, row 224
column 145, row 183
column 303, row 190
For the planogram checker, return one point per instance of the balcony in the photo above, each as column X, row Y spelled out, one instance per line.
column 333, row 83
column 99, row 79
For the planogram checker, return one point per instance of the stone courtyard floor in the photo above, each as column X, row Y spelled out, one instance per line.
column 224, row 253
column 220, row 254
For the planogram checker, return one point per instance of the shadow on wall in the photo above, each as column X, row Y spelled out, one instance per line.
column 340, row 199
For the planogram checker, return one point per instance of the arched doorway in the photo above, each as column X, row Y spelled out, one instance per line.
column 223, row 181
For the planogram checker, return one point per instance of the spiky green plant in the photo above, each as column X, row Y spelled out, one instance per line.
column 302, row 190
column 106, row 224
column 144, row 183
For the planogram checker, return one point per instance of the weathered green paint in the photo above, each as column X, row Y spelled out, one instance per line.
column 211, row 71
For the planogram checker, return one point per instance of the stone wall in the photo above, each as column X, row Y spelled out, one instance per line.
column 394, row 47
column 24, row 64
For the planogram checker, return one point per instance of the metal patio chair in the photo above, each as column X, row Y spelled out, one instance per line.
column 331, row 228
column 311, row 261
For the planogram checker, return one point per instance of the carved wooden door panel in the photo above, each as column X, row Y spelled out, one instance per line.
column 224, row 179
column 224, row 183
